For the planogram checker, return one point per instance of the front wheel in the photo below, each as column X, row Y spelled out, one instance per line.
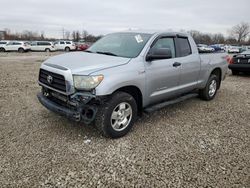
column 209, row 92
column 67, row 49
column 2, row 50
column 117, row 116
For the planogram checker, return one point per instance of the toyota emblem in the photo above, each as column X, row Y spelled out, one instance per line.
column 49, row 79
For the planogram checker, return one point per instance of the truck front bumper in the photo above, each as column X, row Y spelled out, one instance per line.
column 78, row 112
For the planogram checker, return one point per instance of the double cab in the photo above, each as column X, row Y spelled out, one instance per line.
column 126, row 73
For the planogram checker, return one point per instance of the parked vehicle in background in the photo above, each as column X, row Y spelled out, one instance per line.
column 240, row 63
column 81, row 46
column 42, row 46
column 203, row 48
column 3, row 42
column 65, row 45
column 244, row 48
column 123, row 74
column 18, row 46
column 217, row 47
column 233, row 49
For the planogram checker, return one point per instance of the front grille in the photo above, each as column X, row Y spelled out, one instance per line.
column 58, row 81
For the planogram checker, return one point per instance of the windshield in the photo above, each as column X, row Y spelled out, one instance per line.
column 121, row 44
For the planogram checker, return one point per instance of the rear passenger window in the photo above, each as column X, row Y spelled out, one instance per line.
column 68, row 42
column 167, row 43
column 61, row 42
column 184, row 46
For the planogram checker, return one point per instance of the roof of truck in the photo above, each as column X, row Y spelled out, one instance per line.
column 155, row 32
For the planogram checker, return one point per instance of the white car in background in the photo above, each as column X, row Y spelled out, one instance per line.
column 203, row 48
column 2, row 44
column 15, row 46
column 233, row 49
column 43, row 46
column 65, row 45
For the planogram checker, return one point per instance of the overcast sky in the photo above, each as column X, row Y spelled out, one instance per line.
column 104, row 16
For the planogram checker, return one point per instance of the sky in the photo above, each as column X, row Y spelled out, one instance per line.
column 106, row 16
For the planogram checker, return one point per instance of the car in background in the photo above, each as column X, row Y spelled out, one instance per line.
column 2, row 44
column 233, row 49
column 81, row 46
column 15, row 46
column 244, row 48
column 203, row 48
column 240, row 63
column 65, row 45
column 42, row 46
column 217, row 47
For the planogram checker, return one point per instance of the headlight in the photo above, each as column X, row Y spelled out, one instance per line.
column 87, row 82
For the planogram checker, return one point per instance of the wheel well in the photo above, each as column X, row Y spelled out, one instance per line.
column 136, row 93
column 217, row 72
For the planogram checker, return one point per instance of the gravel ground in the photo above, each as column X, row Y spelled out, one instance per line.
column 190, row 144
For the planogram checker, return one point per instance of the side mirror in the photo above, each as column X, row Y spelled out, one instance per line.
column 158, row 53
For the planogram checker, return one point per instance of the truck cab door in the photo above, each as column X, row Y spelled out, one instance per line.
column 190, row 64
column 162, row 75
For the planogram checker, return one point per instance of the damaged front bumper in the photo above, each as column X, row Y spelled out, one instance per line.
column 80, row 107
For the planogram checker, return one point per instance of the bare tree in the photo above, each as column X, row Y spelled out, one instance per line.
column 84, row 34
column 241, row 31
column 78, row 36
column 67, row 35
column 218, row 38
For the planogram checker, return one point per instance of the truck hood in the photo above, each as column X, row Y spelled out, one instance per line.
column 85, row 63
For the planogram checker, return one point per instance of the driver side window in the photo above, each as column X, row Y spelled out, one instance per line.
column 167, row 43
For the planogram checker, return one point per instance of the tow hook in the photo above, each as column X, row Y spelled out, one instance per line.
column 77, row 117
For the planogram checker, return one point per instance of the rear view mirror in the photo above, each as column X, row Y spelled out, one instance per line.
column 158, row 53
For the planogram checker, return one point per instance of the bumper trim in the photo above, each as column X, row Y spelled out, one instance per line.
column 240, row 67
column 52, row 106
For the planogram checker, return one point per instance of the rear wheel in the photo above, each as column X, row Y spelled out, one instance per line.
column 235, row 72
column 67, row 49
column 21, row 50
column 209, row 92
column 117, row 116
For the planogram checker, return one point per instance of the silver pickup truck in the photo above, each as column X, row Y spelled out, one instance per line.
column 126, row 73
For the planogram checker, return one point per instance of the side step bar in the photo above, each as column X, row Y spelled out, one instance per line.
column 170, row 102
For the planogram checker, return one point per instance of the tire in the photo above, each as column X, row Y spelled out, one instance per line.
column 21, row 50
column 112, row 120
column 47, row 50
column 209, row 92
column 235, row 72
column 2, row 50
column 67, row 49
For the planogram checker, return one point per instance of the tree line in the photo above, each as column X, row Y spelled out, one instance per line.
column 33, row 36
column 238, row 35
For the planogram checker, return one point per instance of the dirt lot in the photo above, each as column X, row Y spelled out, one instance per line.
column 190, row 144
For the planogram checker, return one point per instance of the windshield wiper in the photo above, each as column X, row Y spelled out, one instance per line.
column 106, row 53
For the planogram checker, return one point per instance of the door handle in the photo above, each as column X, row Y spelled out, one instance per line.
column 176, row 64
